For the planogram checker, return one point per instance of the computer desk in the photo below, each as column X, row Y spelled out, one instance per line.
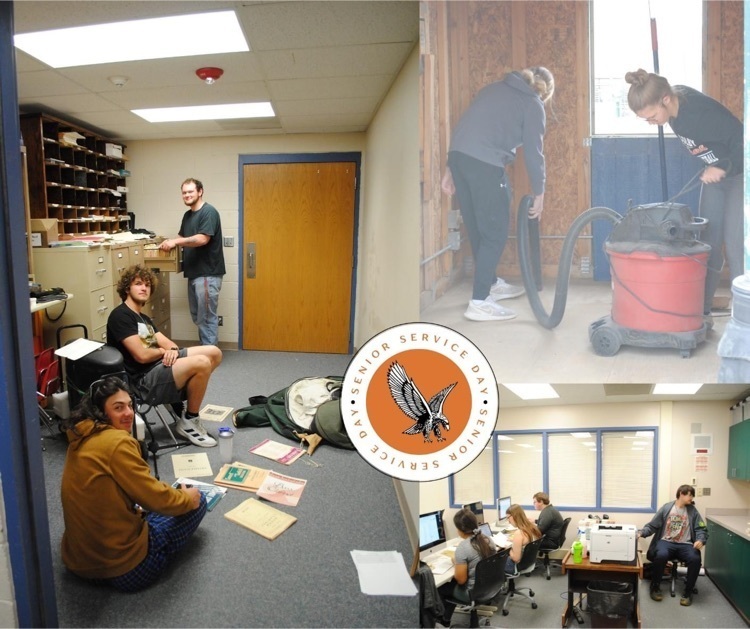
column 580, row 574
column 448, row 549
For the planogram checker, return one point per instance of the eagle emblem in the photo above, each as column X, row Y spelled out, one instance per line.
column 427, row 415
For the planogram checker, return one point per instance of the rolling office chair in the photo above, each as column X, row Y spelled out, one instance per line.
column 525, row 566
column 489, row 578
column 675, row 575
column 560, row 543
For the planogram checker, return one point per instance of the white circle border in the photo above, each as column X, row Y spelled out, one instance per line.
column 484, row 401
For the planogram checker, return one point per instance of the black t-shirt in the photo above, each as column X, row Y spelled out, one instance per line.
column 124, row 322
column 208, row 259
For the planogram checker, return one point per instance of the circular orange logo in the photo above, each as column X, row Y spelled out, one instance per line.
column 419, row 401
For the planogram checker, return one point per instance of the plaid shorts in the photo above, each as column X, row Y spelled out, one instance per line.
column 167, row 535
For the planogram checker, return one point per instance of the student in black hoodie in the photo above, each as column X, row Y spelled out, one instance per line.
column 713, row 134
column 503, row 116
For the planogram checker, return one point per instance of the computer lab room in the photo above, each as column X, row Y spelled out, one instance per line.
column 562, row 292
column 310, row 106
column 605, row 459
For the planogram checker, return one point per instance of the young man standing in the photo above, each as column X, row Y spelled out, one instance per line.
column 159, row 371
column 680, row 533
column 202, row 259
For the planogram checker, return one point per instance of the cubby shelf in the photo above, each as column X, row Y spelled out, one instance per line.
column 77, row 184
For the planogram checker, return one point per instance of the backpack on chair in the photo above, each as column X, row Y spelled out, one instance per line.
column 307, row 406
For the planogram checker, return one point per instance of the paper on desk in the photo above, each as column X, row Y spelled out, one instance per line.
column 382, row 573
column 191, row 465
column 78, row 349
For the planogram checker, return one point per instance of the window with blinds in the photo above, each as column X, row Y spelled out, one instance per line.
column 521, row 459
column 627, row 469
column 572, row 469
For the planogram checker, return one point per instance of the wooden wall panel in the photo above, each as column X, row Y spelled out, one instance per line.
column 732, row 68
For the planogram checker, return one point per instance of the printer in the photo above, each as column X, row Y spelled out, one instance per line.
column 612, row 542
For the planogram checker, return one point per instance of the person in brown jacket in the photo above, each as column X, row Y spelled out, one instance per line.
column 121, row 524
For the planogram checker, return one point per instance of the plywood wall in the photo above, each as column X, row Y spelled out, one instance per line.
column 466, row 45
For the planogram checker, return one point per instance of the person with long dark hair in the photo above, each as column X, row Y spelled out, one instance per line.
column 474, row 547
column 121, row 524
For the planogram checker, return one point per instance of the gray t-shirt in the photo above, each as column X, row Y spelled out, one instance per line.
column 677, row 528
column 466, row 553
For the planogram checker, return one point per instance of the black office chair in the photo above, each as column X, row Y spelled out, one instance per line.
column 489, row 578
column 525, row 566
column 560, row 543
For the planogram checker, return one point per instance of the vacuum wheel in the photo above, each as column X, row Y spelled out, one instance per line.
column 606, row 341
column 506, row 612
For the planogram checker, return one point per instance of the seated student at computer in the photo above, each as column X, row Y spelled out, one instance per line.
column 526, row 532
column 550, row 522
column 679, row 533
column 474, row 546
column 160, row 372
column 121, row 524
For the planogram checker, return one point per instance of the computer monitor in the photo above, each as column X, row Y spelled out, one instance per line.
column 477, row 508
column 431, row 531
column 503, row 504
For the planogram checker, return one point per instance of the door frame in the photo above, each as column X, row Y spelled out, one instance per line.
column 297, row 158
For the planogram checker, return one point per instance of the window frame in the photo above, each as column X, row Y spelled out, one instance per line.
column 595, row 433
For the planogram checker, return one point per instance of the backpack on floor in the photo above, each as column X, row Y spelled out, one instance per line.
column 307, row 406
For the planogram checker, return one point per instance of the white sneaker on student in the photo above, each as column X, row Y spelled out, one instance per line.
column 487, row 310
column 502, row 290
column 193, row 430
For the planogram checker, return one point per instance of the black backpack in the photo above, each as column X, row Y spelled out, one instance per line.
column 307, row 406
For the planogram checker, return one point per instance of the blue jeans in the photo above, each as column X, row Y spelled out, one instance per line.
column 203, row 300
column 666, row 551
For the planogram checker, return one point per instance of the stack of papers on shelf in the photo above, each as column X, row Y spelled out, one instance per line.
column 240, row 476
column 261, row 518
column 285, row 490
column 212, row 493
column 279, row 452
column 70, row 138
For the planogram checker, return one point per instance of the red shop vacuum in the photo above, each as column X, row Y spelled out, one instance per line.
column 658, row 267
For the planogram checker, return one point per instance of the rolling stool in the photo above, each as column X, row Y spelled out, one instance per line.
column 674, row 575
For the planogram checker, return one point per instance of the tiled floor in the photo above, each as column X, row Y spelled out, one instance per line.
column 521, row 350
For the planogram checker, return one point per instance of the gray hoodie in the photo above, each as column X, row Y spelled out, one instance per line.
column 503, row 116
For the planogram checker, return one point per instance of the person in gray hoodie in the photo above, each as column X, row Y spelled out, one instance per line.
column 504, row 115
column 679, row 533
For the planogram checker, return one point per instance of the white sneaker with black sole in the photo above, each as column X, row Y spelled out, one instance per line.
column 502, row 290
column 488, row 310
column 193, row 431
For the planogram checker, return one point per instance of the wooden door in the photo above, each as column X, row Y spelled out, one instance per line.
column 298, row 258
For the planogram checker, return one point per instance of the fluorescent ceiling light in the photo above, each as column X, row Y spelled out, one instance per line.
column 676, row 389
column 533, row 391
column 581, row 435
column 156, row 38
column 207, row 112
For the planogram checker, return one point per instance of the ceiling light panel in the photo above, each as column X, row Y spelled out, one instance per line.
column 676, row 389
column 207, row 112
column 156, row 38
column 532, row 391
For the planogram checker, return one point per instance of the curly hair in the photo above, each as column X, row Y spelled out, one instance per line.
column 133, row 273
column 92, row 404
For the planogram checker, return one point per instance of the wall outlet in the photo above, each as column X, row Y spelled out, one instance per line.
column 228, row 241
column 221, row 320
column 693, row 481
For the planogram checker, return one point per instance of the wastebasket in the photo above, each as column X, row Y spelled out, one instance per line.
column 609, row 603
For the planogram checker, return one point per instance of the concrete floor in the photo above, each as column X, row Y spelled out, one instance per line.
column 521, row 350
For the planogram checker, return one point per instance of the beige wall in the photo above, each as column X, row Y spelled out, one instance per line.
column 676, row 465
column 387, row 287
column 7, row 601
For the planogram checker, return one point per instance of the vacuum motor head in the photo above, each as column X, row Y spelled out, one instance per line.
column 659, row 223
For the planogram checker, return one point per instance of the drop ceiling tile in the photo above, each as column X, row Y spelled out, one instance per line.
column 174, row 96
column 46, row 83
column 372, row 86
column 326, row 106
column 73, row 103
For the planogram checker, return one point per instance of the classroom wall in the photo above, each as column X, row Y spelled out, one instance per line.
column 674, row 420
column 8, row 616
column 388, row 284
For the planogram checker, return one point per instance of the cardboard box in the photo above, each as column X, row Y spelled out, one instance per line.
column 112, row 150
column 165, row 261
column 43, row 231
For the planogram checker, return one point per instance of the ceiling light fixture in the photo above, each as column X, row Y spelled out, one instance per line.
column 207, row 112
column 676, row 389
column 535, row 391
column 209, row 75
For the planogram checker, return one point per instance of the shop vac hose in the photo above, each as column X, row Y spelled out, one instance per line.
column 531, row 266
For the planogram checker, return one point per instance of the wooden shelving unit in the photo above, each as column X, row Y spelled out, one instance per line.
column 77, row 184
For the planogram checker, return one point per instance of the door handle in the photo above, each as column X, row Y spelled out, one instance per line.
column 250, row 265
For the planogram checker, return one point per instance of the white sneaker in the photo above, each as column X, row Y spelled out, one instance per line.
column 502, row 290
column 193, row 430
column 488, row 310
